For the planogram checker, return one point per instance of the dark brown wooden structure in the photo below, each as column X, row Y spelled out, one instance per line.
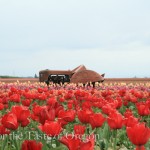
column 78, row 75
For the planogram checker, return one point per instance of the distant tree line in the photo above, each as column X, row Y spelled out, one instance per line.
column 6, row 76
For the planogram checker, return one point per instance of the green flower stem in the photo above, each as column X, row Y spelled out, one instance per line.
column 115, row 139
column 57, row 143
column 106, row 135
column 148, row 119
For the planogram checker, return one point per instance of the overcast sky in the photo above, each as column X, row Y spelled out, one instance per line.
column 107, row 36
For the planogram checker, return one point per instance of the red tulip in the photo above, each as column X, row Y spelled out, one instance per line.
column 13, row 89
column 26, row 102
column 34, row 117
column 143, row 109
column 130, row 121
column 10, row 121
column 96, row 120
column 70, row 141
column 41, row 96
column 84, row 115
column 31, row 145
column 75, row 143
column 22, row 114
column 122, row 92
column 118, row 102
column 86, row 105
column 106, row 93
column 107, row 109
column 133, row 99
column 52, row 102
column 70, row 104
column 89, row 144
column 79, row 129
column 40, row 90
column 138, row 94
column 46, row 115
column 1, row 106
column 3, row 130
column 57, row 109
column 138, row 134
column 51, row 128
column 15, row 98
column 36, row 109
column 62, row 122
column 68, row 115
column 86, row 146
column 128, row 113
column 68, row 96
column 115, row 120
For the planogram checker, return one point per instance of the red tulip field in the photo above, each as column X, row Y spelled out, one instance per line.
column 70, row 117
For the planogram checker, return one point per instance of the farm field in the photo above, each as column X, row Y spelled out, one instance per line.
column 74, row 75
column 114, row 115
column 107, row 80
column 12, row 80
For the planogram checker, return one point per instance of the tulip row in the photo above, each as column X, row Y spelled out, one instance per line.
column 74, row 117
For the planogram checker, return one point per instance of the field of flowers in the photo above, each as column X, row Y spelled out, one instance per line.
column 61, row 117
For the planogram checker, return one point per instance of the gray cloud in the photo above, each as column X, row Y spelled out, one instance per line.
column 107, row 36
